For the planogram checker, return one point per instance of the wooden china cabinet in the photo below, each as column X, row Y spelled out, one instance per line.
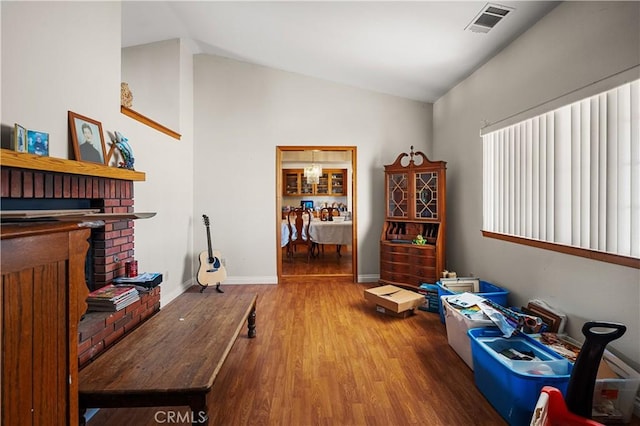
column 415, row 197
column 332, row 182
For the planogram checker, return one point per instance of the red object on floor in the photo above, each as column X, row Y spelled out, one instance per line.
column 551, row 410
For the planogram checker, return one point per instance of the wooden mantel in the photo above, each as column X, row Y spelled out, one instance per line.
column 9, row 158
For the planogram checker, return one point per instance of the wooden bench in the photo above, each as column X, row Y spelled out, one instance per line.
column 173, row 358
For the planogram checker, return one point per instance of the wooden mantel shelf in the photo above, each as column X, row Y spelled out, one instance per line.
column 9, row 158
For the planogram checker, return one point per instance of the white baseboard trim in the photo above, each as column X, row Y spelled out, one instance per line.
column 368, row 278
column 251, row 280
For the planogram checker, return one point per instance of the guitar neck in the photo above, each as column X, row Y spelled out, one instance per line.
column 209, row 243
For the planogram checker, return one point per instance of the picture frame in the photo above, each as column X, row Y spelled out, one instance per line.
column 19, row 138
column 87, row 139
column 38, row 143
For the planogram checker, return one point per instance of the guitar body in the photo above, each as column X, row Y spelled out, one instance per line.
column 208, row 274
column 211, row 270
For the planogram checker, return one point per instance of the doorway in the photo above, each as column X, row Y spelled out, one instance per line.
column 329, row 263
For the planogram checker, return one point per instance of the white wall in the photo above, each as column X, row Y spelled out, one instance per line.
column 575, row 44
column 152, row 70
column 58, row 67
column 243, row 111
column 165, row 242
column 72, row 62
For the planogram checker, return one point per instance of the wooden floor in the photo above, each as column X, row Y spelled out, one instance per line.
column 324, row 356
column 327, row 263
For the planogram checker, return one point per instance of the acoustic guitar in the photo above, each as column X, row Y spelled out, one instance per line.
column 211, row 270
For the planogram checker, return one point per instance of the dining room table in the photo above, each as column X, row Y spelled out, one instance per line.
column 337, row 231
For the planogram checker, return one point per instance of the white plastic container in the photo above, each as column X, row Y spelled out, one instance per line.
column 613, row 398
column 457, row 326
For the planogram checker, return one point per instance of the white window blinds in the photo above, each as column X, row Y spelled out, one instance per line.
column 570, row 176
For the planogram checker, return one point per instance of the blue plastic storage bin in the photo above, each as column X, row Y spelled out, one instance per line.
column 487, row 290
column 513, row 387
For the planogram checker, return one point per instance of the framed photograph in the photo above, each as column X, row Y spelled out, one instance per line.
column 38, row 143
column 87, row 138
column 19, row 138
column 306, row 204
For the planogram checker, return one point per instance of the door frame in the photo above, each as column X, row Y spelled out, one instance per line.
column 354, row 203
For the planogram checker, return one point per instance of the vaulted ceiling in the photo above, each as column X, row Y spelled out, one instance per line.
column 415, row 49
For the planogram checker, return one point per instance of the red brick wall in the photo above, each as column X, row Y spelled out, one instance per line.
column 100, row 330
column 113, row 245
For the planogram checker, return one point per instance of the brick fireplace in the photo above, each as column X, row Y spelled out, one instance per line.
column 110, row 245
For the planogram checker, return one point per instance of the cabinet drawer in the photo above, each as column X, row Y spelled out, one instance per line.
column 397, row 258
column 425, row 274
column 395, row 276
column 404, row 268
column 399, row 248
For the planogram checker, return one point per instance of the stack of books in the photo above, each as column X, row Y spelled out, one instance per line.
column 111, row 298
column 143, row 282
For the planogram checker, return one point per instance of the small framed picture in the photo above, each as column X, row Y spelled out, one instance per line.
column 38, row 143
column 19, row 138
column 87, row 138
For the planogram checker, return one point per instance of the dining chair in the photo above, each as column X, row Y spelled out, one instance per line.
column 326, row 213
column 298, row 221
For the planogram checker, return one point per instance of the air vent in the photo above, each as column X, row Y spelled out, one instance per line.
column 488, row 18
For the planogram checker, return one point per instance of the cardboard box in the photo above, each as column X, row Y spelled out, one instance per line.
column 393, row 298
column 431, row 301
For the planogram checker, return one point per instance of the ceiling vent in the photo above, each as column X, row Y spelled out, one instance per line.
column 488, row 18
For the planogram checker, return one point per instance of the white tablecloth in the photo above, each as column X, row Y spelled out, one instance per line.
column 337, row 231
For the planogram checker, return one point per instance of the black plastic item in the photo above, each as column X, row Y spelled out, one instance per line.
column 583, row 377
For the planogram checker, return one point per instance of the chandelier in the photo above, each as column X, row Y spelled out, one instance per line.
column 313, row 172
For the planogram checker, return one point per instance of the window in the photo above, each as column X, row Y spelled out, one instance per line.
column 570, row 178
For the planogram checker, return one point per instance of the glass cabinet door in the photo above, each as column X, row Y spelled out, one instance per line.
column 322, row 187
column 291, row 183
column 337, row 182
column 397, row 185
column 427, row 195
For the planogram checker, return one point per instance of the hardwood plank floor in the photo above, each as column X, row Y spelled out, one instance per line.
column 326, row 263
column 324, row 356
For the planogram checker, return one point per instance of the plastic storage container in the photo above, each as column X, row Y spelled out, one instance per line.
column 487, row 290
column 613, row 399
column 512, row 386
column 457, row 327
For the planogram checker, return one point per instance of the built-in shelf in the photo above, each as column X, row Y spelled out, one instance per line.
column 21, row 160
column 149, row 122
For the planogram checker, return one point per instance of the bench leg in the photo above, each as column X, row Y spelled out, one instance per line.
column 199, row 411
column 252, row 322
column 81, row 418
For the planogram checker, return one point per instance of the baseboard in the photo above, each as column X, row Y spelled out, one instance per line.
column 251, row 280
column 368, row 278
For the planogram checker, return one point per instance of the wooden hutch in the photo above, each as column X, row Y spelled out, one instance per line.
column 415, row 197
